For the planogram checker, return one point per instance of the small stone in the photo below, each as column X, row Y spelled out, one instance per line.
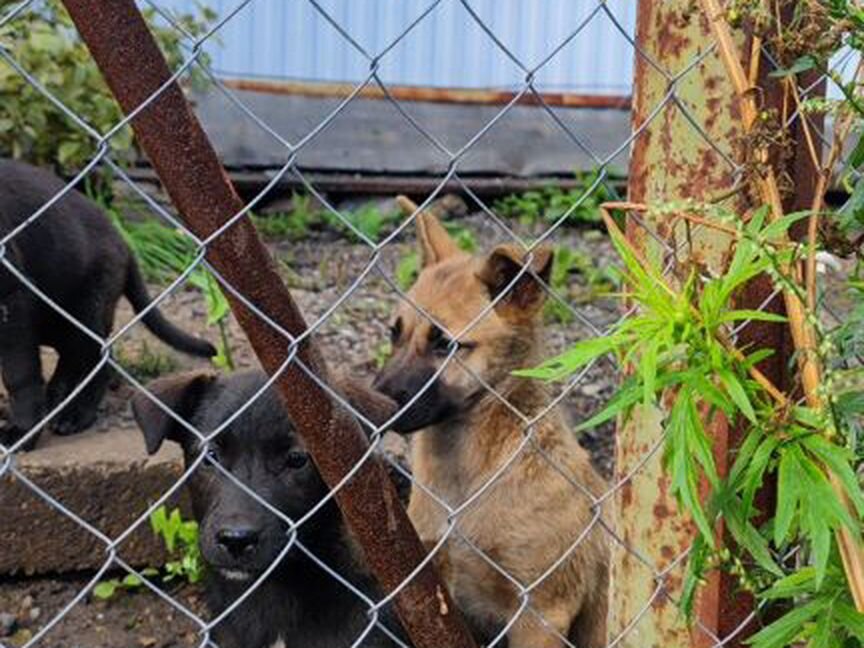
column 8, row 624
column 22, row 636
column 147, row 642
column 592, row 390
column 27, row 602
column 34, row 613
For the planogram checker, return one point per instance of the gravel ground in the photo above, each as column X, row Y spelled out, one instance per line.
column 126, row 621
column 319, row 270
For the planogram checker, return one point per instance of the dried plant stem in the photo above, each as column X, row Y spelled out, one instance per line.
column 690, row 218
column 803, row 334
column 825, row 172
column 791, row 87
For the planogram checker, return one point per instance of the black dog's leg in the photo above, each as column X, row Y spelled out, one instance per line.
column 22, row 376
column 64, row 378
column 74, row 367
column 79, row 355
column 74, row 363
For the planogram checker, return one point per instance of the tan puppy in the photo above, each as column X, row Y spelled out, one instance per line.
column 527, row 518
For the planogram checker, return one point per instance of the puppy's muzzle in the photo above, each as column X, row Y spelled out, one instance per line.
column 238, row 542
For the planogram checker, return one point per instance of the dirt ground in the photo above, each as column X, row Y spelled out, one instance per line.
column 319, row 270
column 126, row 621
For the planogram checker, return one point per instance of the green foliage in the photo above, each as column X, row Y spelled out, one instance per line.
column 827, row 620
column 184, row 556
column 44, row 42
column 218, row 311
column 382, row 354
column 181, row 540
column 567, row 263
column 407, row 269
column 146, row 364
column 369, row 220
column 683, row 369
column 163, row 253
column 304, row 218
column 131, row 582
column 294, row 224
column 550, row 203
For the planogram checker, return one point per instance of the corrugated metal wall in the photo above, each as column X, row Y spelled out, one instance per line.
column 290, row 39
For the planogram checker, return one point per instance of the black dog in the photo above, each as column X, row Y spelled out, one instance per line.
column 299, row 604
column 79, row 261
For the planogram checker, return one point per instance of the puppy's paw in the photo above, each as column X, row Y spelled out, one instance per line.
column 11, row 434
column 72, row 422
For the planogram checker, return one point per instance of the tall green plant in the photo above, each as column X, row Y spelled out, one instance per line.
column 685, row 367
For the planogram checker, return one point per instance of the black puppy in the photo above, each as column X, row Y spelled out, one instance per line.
column 299, row 604
column 73, row 255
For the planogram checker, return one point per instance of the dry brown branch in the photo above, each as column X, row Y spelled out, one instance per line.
column 825, row 173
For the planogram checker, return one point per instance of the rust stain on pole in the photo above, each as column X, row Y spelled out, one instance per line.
column 172, row 137
column 671, row 161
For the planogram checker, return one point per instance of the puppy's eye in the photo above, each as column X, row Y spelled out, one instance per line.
column 279, row 459
column 396, row 331
column 439, row 343
column 213, row 453
column 296, row 459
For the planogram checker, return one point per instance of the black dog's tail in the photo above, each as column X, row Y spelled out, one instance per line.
column 136, row 293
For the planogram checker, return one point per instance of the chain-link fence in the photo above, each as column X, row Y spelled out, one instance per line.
column 524, row 529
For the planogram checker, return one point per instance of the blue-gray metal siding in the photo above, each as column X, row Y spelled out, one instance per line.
column 290, row 39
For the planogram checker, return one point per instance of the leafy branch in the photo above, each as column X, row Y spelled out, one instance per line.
column 685, row 366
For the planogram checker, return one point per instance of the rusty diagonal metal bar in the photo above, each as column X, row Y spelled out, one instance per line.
column 169, row 132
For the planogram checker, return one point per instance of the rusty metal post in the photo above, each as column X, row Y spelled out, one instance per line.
column 168, row 131
column 670, row 161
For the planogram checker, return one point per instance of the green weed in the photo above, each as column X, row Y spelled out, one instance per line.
column 550, row 203
column 370, row 220
column 294, row 224
column 184, row 555
column 567, row 263
column 382, row 354
column 678, row 346
column 303, row 219
column 163, row 253
column 146, row 364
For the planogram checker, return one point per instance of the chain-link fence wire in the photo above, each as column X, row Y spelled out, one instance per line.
column 659, row 575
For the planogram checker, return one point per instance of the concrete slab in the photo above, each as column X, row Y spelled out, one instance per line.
column 106, row 479
column 370, row 136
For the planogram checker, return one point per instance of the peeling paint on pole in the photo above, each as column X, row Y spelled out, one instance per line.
column 671, row 161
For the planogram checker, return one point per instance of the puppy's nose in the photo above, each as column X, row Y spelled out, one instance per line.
column 237, row 541
column 393, row 389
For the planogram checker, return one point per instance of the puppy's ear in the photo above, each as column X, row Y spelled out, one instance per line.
column 433, row 240
column 504, row 264
column 182, row 394
column 371, row 403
